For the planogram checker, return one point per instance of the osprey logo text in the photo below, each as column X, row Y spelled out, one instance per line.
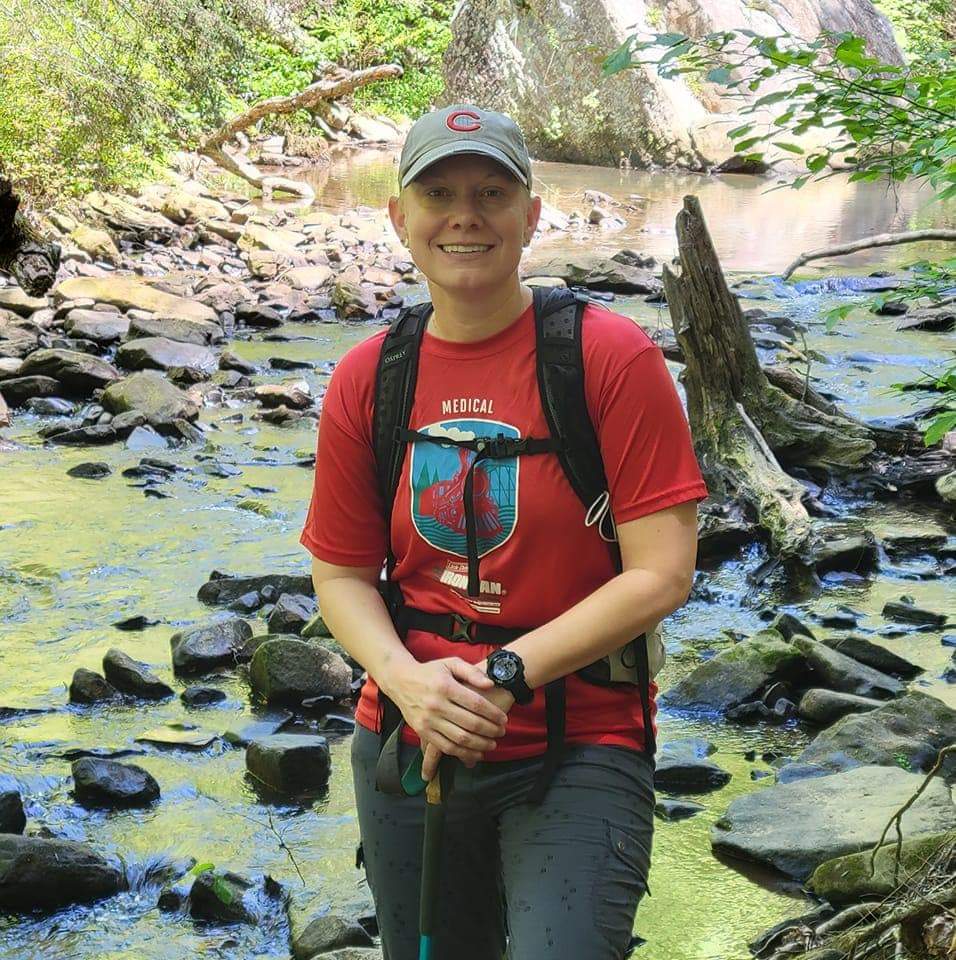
column 459, row 125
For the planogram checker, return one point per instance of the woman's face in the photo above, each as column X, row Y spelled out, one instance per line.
column 465, row 220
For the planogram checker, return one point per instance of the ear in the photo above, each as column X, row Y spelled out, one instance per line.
column 397, row 215
column 533, row 216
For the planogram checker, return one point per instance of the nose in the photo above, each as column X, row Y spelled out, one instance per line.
column 464, row 212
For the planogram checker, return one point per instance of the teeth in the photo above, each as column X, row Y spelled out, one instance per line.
column 460, row 248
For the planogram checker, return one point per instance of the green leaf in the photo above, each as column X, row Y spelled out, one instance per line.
column 792, row 147
column 816, row 162
column 620, row 59
column 938, row 427
column 834, row 316
column 746, row 144
column 774, row 97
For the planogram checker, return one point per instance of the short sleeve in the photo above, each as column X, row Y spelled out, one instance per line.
column 345, row 524
column 645, row 439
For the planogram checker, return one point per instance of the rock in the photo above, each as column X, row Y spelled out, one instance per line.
column 107, row 783
column 87, row 686
column 742, row 164
column 823, row 707
column 15, row 300
column 945, row 486
column 683, row 767
column 183, row 207
column 327, row 933
column 4, row 413
column 352, row 302
column 873, row 655
column 908, row 732
column 18, row 390
column 840, row 672
column 274, row 239
column 152, row 395
column 85, row 436
column 218, row 895
column 316, row 627
column 95, row 325
column 265, row 726
column 296, row 395
column 368, row 128
column 857, row 554
column 224, row 588
column 160, row 353
column 129, row 293
column 789, row 626
column 130, row 676
column 598, row 273
column 290, row 763
column 737, row 675
column 891, row 308
column 908, row 612
column 289, row 670
column 913, row 544
column 291, row 613
column 797, row 826
column 145, row 438
column 198, row 696
column 668, row 809
column 12, row 817
column 49, row 874
column 199, row 332
column 177, row 735
column 203, row 648
column 78, row 374
column 257, row 315
column 50, row 407
column 850, row 879
column 933, row 319
column 97, row 243
column 228, row 361
column 309, row 278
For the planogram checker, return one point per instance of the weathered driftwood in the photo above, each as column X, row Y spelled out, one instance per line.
column 743, row 424
column 214, row 145
column 866, row 243
column 24, row 253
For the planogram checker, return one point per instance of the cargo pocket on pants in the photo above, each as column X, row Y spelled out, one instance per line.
column 620, row 888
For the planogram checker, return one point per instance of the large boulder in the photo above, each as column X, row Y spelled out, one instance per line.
column 183, row 207
column 797, row 826
column 79, row 374
column 96, row 325
column 292, row 670
column 873, row 655
column 909, row 732
column 737, row 675
column 18, row 390
column 200, row 332
column 290, row 763
column 837, row 671
column 598, row 273
column 161, row 353
column 327, row 933
column 149, row 392
column 106, row 783
column 225, row 588
column 131, row 676
column 683, row 767
column 208, row 646
column 527, row 60
column 129, row 293
column 49, row 874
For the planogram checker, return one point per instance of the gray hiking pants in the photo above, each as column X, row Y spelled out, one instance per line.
column 561, row 880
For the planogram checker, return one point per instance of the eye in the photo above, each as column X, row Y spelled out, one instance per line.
column 435, row 192
column 493, row 192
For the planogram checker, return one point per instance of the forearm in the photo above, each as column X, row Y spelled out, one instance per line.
column 357, row 616
column 623, row 608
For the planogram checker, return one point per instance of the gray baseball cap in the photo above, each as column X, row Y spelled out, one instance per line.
column 463, row 128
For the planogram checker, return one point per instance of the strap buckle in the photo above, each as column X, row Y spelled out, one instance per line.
column 500, row 447
column 460, row 629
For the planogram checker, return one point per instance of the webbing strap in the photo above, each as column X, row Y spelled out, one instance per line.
column 554, row 709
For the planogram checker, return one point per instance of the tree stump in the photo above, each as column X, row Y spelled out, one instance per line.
column 744, row 426
column 24, row 253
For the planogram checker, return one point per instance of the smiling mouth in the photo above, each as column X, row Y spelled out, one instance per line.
column 464, row 249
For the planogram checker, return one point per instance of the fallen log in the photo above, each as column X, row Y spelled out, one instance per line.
column 24, row 253
column 743, row 424
column 214, row 145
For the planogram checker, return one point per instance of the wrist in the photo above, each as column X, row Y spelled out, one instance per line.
column 394, row 675
column 506, row 670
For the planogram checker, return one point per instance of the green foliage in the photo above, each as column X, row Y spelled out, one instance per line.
column 890, row 121
column 921, row 26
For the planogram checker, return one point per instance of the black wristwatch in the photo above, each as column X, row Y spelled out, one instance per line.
column 507, row 670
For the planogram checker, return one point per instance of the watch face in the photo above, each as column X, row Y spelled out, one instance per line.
column 504, row 669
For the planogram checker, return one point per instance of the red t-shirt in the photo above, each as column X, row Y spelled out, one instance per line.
column 537, row 557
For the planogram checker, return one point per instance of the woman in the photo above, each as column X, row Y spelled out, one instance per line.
column 557, row 874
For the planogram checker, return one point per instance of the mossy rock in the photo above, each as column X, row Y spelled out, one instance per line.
column 848, row 880
column 287, row 670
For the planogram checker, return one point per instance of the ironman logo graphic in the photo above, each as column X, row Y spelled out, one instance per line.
column 437, row 476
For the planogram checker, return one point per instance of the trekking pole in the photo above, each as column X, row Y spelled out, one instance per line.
column 436, row 793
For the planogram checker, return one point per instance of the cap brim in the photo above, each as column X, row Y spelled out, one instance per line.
column 468, row 146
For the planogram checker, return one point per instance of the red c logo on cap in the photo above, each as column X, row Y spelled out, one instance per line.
column 463, row 127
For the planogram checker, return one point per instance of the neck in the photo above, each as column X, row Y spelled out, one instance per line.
column 477, row 317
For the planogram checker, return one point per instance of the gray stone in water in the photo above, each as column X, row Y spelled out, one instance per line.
column 78, row 374
column 668, row 809
column 597, row 273
column 49, row 874
column 857, row 554
column 797, row 826
column 125, row 423
column 683, row 767
column 186, row 736
column 840, row 672
column 910, row 613
column 256, row 315
column 199, row 332
column 257, row 729
column 151, row 394
column 90, row 471
column 95, row 325
column 224, row 588
column 289, row 670
column 131, row 676
column 12, row 817
column 789, row 626
column 316, row 627
column 208, row 646
column 96, row 433
column 291, row 613
column 146, row 438
column 18, row 390
column 50, row 407
column 873, row 655
column 161, row 353
column 324, row 934
column 106, row 783
column 247, row 603
column 824, row 707
column 737, row 675
column 218, row 895
column 87, row 686
column 909, row 731
column 198, row 696
column 290, row 763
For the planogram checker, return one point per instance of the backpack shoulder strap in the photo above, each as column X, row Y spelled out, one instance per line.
column 559, row 317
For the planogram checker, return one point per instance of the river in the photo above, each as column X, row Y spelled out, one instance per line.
column 76, row 556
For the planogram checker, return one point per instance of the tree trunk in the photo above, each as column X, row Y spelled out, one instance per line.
column 24, row 254
column 743, row 424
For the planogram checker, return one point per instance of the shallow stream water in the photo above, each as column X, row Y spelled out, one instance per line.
column 77, row 556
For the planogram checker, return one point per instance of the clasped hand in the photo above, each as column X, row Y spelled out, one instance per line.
column 455, row 709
